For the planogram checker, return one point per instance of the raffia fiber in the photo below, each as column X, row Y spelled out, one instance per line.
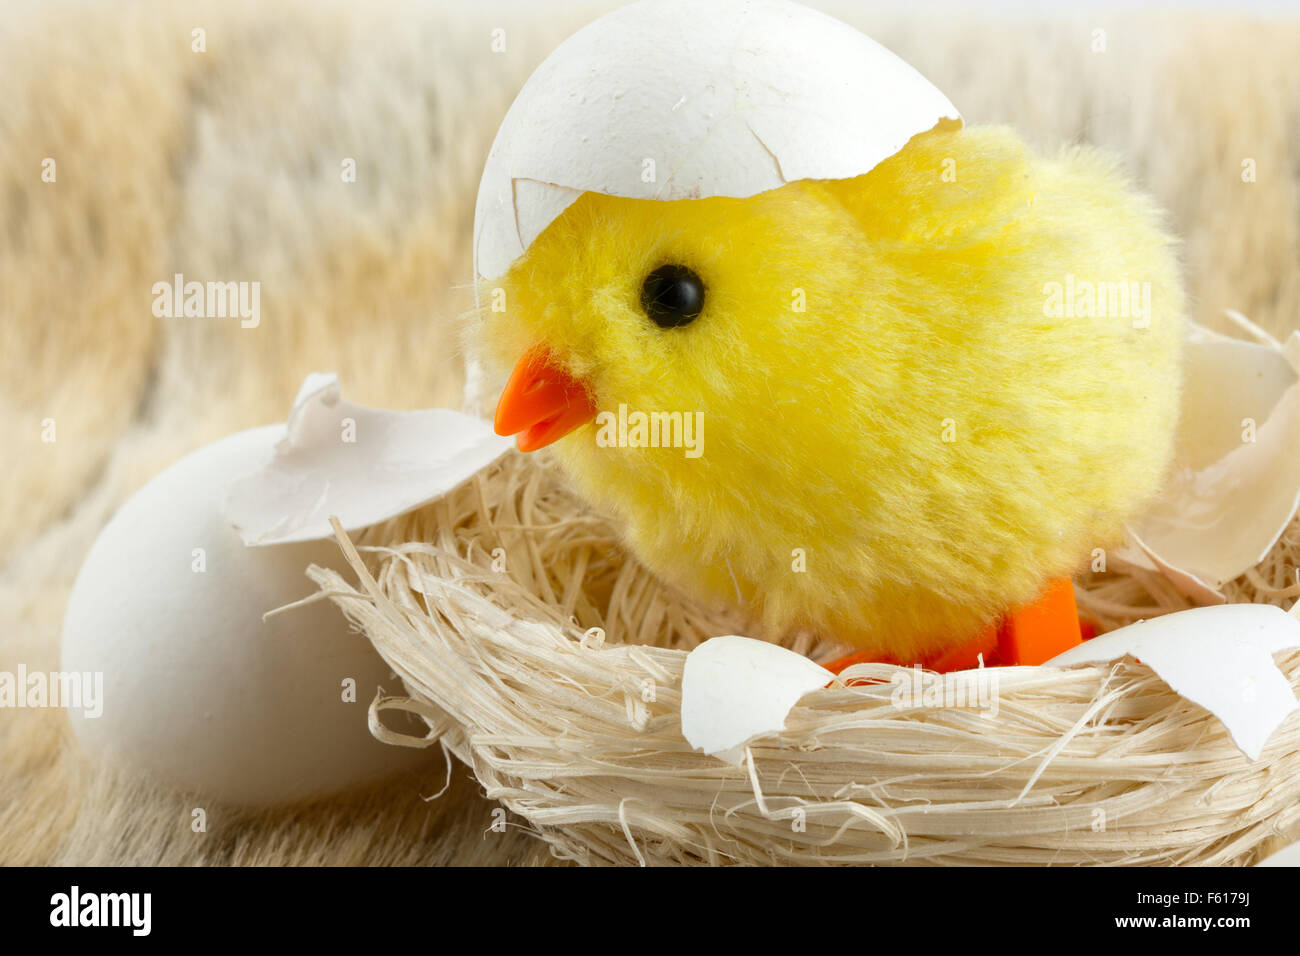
column 485, row 604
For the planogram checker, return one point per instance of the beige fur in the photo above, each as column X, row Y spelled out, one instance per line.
column 226, row 165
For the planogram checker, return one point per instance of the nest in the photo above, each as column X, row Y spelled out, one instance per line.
column 546, row 658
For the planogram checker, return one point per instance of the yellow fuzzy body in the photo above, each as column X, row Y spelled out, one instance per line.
column 911, row 422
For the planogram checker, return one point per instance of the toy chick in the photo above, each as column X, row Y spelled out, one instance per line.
column 920, row 396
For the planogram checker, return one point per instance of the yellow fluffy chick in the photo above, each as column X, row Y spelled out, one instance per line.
column 922, row 393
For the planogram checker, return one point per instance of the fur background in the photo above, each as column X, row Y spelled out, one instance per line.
column 226, row 164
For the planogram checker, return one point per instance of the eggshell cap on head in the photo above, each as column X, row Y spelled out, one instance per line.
column 724, row 97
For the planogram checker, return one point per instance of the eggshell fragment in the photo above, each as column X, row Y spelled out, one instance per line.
column 1287, row 856
column 1218, row 657
column 676, row 99
column 736, row 688
column 363, row 465
column 198, row 690
column 1235, row 483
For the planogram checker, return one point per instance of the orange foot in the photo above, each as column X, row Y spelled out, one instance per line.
column 1031, row 634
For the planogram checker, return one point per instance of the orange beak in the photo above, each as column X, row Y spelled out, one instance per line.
column 541, row 403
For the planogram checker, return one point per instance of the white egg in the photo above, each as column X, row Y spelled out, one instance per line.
column 198, row 690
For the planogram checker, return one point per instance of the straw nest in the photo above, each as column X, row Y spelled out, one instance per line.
column 543, row 656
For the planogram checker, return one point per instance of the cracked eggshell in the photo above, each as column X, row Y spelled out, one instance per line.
column 1218, row 657
column 199, row 691
column 726, row 98
column 361, row 465
column 1288, row 856
column 735, row 689
column 1235, row 482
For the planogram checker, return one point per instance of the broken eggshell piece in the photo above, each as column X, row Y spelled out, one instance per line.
column 1235, row 482
column 1287, row 856
column 1218, row 657
column 737, row 688
column 361, row 465
column 675, row 99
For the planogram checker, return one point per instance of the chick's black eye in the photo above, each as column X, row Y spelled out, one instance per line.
column 672, row 296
